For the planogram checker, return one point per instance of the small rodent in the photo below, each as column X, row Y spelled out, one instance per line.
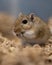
column 31, row 29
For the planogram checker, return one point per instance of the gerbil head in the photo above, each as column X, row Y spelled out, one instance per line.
column 31, row 27
column 23, row 22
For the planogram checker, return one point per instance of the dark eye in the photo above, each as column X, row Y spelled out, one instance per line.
column 24, row 21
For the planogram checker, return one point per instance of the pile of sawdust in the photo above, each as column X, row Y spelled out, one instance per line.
column 13, row 54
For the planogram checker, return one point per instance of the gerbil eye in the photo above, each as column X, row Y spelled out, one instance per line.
column 24, row 21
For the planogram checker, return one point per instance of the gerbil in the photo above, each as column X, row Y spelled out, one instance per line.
column 31, row 29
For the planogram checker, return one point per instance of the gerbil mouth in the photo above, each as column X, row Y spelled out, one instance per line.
column 20, row 34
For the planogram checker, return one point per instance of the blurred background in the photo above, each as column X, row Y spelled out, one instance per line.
column 43, row 8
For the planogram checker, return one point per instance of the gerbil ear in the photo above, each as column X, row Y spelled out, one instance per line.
column 32, row 16
column 20, row 14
